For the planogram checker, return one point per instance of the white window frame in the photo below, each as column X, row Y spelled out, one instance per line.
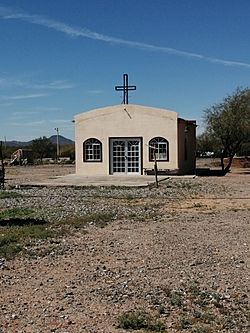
column 161, row 147
column 92, row 150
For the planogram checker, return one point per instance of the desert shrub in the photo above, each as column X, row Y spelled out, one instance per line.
column 136, row 320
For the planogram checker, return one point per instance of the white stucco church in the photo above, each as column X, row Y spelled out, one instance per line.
column 126, row 139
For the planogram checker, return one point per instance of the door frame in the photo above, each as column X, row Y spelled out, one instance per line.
column 110, row 152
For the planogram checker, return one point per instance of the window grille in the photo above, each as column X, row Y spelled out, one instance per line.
column 92, row 150
column 160, row 147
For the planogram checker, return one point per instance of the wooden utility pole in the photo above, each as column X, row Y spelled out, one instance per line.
column 2, row 171
column 57, row 145
column 155, row 168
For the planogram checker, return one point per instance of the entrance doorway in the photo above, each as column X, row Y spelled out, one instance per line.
column 125, row 155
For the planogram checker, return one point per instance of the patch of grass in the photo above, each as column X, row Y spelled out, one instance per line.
column 162, row 309
column 9, row 194
column 75, row 222
column 201, row 329
column 133, row 320
column 191, row 309
column 17, row 221
column 9, row 251
column 176, row 299
column 184, row 323
column 208, row 317
column 140, row 320
column 194, row 289
column 142, row 216
column 39, row 231
column 44, row 250
column 203, row 299
column 14, row 238
column 15, row 212
column 100, row 219
column 129, row 197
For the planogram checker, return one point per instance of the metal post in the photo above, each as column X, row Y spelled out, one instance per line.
column 57, row 144
column 125, row 88
column 125, row 83
column 2, row 171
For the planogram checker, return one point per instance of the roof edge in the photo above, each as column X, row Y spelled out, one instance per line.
column 124, row 106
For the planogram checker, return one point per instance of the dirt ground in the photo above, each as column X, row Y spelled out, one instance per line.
column 24, row 174
column 187, row 266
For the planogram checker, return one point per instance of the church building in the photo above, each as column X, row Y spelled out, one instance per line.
column 128, row 139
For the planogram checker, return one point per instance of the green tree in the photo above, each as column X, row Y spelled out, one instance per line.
column 207, row 143
column 68, row 151
column 43, row 147
column 8, row 151
column 245, row 149
column 229, row 123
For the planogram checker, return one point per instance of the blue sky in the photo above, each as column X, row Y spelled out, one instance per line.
column 62, row 57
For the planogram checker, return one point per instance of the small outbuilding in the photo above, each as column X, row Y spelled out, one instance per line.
column 127, row 139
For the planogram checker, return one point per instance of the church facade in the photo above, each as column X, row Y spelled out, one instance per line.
column 127, row 139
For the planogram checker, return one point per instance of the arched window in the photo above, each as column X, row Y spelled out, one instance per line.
column 160, row 147
column 92, row 150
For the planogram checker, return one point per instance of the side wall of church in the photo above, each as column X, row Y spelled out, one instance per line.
column 186, row 146
column 125, row 121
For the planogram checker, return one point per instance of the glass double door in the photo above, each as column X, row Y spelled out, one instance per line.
column 125, row 155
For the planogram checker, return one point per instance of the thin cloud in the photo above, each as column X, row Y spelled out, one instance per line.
column 19, row 97
column 61, row 121
column 61, row 84
column 10, row 82
column 8, row 13
column 25, row 113
column 28, row 124
column 56, row 85
column 6, row 82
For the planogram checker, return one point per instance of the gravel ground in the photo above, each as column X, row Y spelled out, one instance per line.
column 179, row 254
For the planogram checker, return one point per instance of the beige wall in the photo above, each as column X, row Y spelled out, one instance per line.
column 125, row 121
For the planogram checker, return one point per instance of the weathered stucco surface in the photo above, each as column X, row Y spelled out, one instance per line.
column 125, row 121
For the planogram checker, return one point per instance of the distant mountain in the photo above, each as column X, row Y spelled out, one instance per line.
column 62, row 142
column 17, row 144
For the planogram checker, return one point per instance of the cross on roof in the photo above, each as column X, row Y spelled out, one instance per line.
column 125, row 88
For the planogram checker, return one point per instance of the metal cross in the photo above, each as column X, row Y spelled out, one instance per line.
column 125, row 88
